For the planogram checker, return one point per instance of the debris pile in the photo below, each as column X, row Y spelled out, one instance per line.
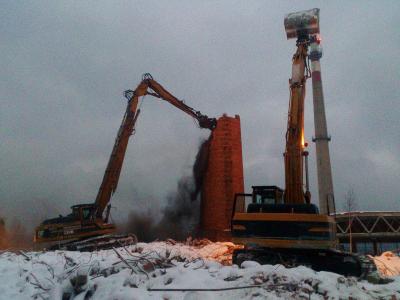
column 170, row 270
column 216, row 251
column 388, row 264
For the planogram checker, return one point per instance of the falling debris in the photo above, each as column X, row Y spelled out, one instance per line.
column 182, row 212
column 180, row 218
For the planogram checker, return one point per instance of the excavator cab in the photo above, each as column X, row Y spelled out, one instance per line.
column 261, row 195
column 81, row 222
column 84, row 212
column 269, row 199
column 267, row 194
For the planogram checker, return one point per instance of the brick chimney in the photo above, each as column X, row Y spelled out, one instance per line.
column 224, row 178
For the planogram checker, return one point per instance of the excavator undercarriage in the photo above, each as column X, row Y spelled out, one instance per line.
column 329, row 260
column 273, row 232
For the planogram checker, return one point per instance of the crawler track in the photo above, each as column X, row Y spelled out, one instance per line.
column 97, row 243
column 339, row 262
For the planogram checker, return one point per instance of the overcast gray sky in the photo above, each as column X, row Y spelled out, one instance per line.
column 65, row 64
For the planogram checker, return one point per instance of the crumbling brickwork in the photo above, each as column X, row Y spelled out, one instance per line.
column 224, row 178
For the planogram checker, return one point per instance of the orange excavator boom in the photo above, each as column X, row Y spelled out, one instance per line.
column 295, row 144
column 148, row 86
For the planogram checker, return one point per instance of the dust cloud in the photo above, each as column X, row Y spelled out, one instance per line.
column 181, row 216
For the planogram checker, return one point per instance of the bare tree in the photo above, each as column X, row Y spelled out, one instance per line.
column 350, row 205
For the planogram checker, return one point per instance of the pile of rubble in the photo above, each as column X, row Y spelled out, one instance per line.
column 171, row 270
column 388, row 264
column 196, row 248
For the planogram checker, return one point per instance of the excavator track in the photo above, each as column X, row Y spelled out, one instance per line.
column 97, row 243
column 330, row 260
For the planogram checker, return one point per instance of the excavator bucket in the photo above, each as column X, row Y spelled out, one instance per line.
column 302, row 23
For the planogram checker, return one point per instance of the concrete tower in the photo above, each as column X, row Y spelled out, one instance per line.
column 321, row 139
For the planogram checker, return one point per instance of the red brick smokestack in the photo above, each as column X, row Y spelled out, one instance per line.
column 224, row 178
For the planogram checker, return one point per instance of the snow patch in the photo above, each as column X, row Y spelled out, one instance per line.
column 156, row 270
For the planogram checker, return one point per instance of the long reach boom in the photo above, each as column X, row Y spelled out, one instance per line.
column 148, row 86
column 295, row 144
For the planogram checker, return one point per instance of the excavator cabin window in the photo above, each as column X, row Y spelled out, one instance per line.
column 267, row 195
column 86, row 212
column 82, row 212
column 76, row 212
column 265, row 198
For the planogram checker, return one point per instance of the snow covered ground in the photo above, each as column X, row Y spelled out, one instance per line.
column 153, row 270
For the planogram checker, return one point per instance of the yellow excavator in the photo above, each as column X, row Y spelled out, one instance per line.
column 279, row 226
column 88, row 226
